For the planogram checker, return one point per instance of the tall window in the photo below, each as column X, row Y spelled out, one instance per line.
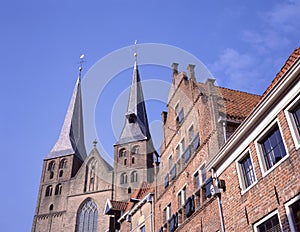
column 51, row 166
column 58, row 189
column 179, row 114
column 167, row 213
column 191, row 133
column 134, row 176
column 123, row 178
column 63, row 163
column 272, row 148
column 87, row 217
column 48, row 191
column 122, row 152
column 135, row 150
column 247, row 171
column 182, row 197
column 296, row 115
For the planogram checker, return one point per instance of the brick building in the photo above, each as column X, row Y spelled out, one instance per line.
column 229, row 161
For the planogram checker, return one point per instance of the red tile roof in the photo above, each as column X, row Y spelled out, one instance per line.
column 287, row 65
column 118, row 205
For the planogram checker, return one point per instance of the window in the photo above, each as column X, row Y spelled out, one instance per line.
column 189, row 206
column 166, row 181
column 122, row 152
column 293, row 118
column 132, row 160
column 87, row 217
column 61, row 172
column 182, row 197
column 191, row 133
column 58, row 189
column 179, row 114
column 246, row 171
column 125, row 162
column 199, row 177
column 293, row 213
column 63, row 163
column 135, row 150
column 272, row 148
column 51, row 166
column 167, row 213
column 51, row 175
column 123, row 178
column 142, row 229
column 51, row 207
column 134, row 176
column 48, row 191
column 173, row 172
column 269, row 223
column 129, row 190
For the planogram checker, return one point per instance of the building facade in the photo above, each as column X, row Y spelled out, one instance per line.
column 228, row 161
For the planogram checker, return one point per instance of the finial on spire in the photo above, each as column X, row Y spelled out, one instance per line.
column 95, row 143
column 81, row 62
column 135, row 53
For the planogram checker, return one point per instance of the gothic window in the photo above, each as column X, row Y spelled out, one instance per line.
column 87, row 217
column 58, row 189
column 48, row 191
column 122, row 152
column 123, row 178
column 63, row 163
column 90, row 183
column 134, row 176
column 51, row 166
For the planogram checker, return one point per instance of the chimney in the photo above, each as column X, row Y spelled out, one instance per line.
column 191, row 72
column 175, row 68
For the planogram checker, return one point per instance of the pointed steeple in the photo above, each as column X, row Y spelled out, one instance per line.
column 136, row 126
column 71, row 138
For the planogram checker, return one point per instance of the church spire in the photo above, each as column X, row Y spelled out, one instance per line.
column 136, row 126
column 71, row 138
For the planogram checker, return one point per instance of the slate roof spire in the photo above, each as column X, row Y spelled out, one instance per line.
column 71, row 138
column 136, row 126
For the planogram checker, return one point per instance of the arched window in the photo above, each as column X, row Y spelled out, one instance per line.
column 87, row 217
column 132, row 160
column 58, row 189
column 123, row 178
column 51, row 174
column 133, row 176
column 61, row 172
column 51, row 207
column 135, row 150
column 63, row 163
column 129, row 190
column 125, row 162
column 51, row 166
column 122, row 152
column 48, row 191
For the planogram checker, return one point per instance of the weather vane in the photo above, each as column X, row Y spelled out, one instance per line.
column 81, row 62
column 135, row 49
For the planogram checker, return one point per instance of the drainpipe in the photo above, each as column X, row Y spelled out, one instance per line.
column 214, row 176
column 149, row 200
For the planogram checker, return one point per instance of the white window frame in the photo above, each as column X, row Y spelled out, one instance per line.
column 291, row 122
column 244, row 189
column 188, row 132
column 259, row 150
column 199, row 171
column 267, row 217
column 168, row 212
column 181, row 191
column 289, row 213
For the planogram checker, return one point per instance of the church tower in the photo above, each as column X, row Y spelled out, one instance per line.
column 60, row 165
column 134, row 150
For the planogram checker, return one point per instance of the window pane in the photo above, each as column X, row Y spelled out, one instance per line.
column 273, row 148
column 272, row 224
column 296, row 114
column 87, row 217
column 295, row 208
column 247, row 171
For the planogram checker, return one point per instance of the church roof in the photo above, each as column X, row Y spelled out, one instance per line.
column 71, row 138
column 103, row 164
column 136, row 126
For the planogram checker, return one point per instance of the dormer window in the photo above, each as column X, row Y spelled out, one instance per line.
column 131, row 118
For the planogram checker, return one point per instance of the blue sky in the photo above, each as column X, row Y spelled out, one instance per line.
column 243, row 44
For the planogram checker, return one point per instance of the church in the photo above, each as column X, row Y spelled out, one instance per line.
column 228, row 161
